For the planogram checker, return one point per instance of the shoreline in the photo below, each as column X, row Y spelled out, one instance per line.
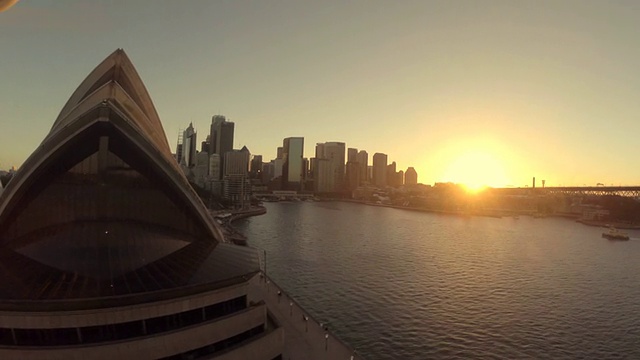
column 231, row 233
column 502, row 213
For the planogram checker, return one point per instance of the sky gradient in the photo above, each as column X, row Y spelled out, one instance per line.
column 475, row 92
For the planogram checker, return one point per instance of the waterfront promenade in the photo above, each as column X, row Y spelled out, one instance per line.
column 305, row 338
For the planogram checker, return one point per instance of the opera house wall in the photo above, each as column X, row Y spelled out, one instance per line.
column 106, row 251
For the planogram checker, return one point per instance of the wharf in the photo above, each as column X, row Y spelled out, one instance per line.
column 304, row 339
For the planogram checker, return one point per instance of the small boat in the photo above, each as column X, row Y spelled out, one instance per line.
column 615, row 234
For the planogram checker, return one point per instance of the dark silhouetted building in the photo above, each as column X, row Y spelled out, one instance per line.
column 410, row 176
column 379, row 169
column 293, row 166
column 363, row 163
column 221, row 137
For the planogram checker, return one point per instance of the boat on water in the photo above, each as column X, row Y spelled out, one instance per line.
column 615, row 234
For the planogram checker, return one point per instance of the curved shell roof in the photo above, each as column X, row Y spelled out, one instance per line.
column 74, row 226
column 112, row 93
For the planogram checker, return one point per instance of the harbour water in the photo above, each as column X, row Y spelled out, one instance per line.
column 398, row 284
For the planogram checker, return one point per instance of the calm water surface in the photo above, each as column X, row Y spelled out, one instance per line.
column 398, row 284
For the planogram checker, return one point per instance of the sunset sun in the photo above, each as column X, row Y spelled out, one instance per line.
column 476, row 169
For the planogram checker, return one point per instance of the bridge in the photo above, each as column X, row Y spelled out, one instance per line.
column 627, row 191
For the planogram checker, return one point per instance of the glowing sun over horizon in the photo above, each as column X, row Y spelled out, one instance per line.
column 476, row 169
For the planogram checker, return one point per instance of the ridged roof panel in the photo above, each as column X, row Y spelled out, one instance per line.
column 115, row 86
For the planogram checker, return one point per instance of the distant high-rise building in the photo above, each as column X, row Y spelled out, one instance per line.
column 391, row 174
column 189, row 147
column 334, row 152
column 237, row 162
column 399, row 178
column 236, row 186
column 353, row 175
column 380, row 169
column 179, row 151
column 363, row 163
column 394, row 178
column 214, row 167
column 277, row 167
column 305, row 168
column 255, row 168
column 292, row 169
column 221, row 137
column 267, row 172
column 411, row 176
column 206, row 145
column 280, row 152
column 352, row 154
column 323, row 176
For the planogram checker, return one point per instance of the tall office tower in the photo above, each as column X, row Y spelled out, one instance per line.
column 363, row 163
column 267, row 172
column 179, row 147
column 221, row 137
column 189, row 147
column 370, row 173
column 255, row 168
column 214, row 167
column 237, row 162
column 305, row 168
column 280, row 152
column 334, row 152
column 292, row 168
column 206, row 144
column 236, row 186
column 352, row 154
column 411, row 176
column 353, row 175
column 391, row 174
column 323, row 176
column 277, row 167
column 179, row 151
column 399, row 178
column 380, row 169
column 319, row 151
column 200, row 171
column 312, row 168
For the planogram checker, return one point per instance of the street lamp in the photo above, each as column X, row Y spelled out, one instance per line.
column 326, row 342
column 291, row 308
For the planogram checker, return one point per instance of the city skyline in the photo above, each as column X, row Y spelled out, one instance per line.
column 470, row 92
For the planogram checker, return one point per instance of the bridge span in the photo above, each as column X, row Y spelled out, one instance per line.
column 627, row 191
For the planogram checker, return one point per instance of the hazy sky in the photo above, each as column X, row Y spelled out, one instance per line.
column 468, row 91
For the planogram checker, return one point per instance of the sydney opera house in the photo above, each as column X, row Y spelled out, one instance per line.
column 106, row 252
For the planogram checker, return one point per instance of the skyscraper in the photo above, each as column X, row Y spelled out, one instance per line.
column 363, row 162
column 292, row 169
column 335, row 153
column 189, row 147
column 255, row 167
column 236, row 162
column 221, row 137
column 410, row 176
column 353, row 175
column 380, row 169
column 352, row 153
